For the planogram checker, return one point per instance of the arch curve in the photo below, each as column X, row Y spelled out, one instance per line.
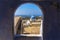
column 20, row 8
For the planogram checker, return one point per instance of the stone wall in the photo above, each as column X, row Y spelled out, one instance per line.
column 51, row 25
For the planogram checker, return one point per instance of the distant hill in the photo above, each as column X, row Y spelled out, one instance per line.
column 29, row 15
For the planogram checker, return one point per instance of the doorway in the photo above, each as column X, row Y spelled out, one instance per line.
column 28, row 20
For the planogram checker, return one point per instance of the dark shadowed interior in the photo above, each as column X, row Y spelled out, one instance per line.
column 51, row 23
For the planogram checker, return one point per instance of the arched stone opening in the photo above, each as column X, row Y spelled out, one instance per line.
column 42, row 16
column 51, row 20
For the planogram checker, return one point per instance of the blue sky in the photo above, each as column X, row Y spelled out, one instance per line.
column 28, row 9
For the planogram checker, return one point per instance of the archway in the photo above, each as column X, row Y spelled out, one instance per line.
column 26, row 16
column 51, row 19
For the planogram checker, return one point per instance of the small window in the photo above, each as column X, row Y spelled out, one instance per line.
column 28, row 20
